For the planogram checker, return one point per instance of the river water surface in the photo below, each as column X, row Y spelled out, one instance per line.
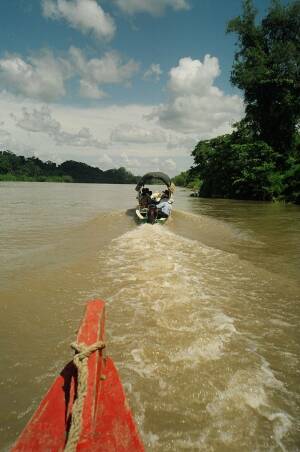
column 203, row 313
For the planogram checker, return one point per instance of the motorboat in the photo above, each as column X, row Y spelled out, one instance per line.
column 148, row 209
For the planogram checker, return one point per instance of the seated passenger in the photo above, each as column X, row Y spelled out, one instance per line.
column 164, row 206
column 145, row 198
column 149, row 198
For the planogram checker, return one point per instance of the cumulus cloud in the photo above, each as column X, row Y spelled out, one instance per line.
column 195, row 105
column 44, row 76
column 154, row 7
column 3, row 133
column 182, row 141
column 38, row 121
column 85, row 134
column 193, row 76
column 84, row 15
column 41, row 121
column 128, row 133
column 40, row 77
column 131, row 163
column 163, row 163
column 170, row 164
column 83, row 138
column 90, row 90
column 105, row 161
column 153, row 72
column 110, row 69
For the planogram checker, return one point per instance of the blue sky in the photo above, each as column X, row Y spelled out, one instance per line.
column 132, row 83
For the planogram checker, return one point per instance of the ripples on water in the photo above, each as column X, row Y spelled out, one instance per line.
column 186, row 323
column 206, row 342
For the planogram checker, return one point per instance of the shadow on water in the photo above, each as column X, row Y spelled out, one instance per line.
column 130, row 213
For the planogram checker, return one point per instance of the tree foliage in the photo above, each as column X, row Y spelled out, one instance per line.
column 267, row 69
column 181, row 179
column 233, row 166
column 13, row 167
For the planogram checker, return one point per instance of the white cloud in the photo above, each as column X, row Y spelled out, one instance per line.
column 193, row 76
column 38, row 121
column 109, row 69
column 195, row 105
column 153, row 72
column 41, row 121
column 132, row 164
column 182, row 141
column 84, row 15
column 128, row 133
column 41, row 77
column 82, row 138
column 163, row 163
column 105, row 162
column 84, row 134
column 90, row 90
column 3, row 133
column 170, row 164
column 154, row 7
column 106, row 70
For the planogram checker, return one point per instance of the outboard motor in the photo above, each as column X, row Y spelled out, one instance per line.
column 152, row 213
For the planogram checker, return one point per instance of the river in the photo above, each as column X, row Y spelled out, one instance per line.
column 202, row 315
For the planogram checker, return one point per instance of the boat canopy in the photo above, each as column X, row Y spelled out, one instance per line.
column 150, row 176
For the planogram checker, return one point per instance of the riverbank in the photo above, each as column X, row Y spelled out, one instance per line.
column 14, row 178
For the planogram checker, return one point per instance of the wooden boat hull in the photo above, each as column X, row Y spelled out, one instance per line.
column 107, row 422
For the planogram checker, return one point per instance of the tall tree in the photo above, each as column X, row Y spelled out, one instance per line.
column 267, row 69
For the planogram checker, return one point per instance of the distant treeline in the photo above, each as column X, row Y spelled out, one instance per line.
column 260, row 159
column 32, row 169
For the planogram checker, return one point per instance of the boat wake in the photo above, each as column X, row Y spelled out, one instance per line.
column 179, row 314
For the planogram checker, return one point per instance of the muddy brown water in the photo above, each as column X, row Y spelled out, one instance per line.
column 203, row 313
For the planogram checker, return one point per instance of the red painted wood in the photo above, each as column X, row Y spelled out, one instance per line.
column 108, row 423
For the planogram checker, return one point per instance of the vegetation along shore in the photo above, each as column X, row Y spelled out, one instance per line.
column 32, row 169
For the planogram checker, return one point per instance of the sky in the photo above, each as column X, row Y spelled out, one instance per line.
column 133, row 83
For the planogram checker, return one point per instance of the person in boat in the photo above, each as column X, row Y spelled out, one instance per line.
column 145, row 198
column 164, row 206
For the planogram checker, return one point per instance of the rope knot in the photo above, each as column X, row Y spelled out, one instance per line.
column 84, row 351
column 80, row 360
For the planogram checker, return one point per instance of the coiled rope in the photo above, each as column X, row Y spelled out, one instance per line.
column 80, row 360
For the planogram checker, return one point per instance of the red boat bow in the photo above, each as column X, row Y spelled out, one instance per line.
column 106, row 420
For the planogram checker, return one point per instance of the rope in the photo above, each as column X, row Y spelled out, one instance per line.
column 80, row 360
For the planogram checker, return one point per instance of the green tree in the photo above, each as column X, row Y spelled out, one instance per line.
column 81, row 172
column 235, row 166
column 181, row 179
column 291, row 181
column 267, row 69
